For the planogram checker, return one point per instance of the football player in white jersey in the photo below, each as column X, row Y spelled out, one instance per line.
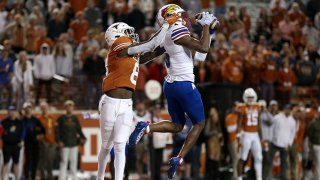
column 179, row 89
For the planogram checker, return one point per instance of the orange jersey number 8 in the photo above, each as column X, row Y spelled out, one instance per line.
column 134, row 74
column 252, row 118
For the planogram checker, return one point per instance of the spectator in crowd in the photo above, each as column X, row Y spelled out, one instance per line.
column 12, row 141
column 278, row 12
column 232, row 68
column 56, row 25
column 7, row 46
column 17, row 32
column 313, row 134
column 6, row 73
column 295, row 151
column 311, row 33
column 31, row 3
column 38, row 14
column 92, row 14
column 266, row 120
column 269, row 75
column 273, row 107
column 80, row 26
column 94, row 69
column 34, row 134
column 245, row 18
column 48, row 145
column 62, row 59
column 252, row 66
column 286, row 80
column 32, row 34
column 296, row 15
column 284, row 131
column 306, row 71
column 136, row 17
column 140, row 114
column 231, row 124
column 286, row 27
column 44, row 69
column 23, row 79
column 220, row 7
column 242, row 42
column 91, row 39
column 68, row 135
column 159, row 142
column 212, row 132
column 43, row 39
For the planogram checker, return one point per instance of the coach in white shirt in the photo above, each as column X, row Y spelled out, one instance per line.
column 284, row 130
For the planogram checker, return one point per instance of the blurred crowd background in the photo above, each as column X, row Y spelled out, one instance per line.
column 54, row 50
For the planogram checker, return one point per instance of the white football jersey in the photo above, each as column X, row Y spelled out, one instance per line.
column 179, row 61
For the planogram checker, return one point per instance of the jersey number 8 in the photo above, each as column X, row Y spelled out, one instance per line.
column 135, row 73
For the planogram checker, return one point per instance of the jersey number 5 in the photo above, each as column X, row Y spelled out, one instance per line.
column 134, row 74
column 252, row 118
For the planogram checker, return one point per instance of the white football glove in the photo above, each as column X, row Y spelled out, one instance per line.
column 206, row 18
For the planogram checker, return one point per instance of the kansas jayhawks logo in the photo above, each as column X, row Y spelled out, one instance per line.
column 168, row 11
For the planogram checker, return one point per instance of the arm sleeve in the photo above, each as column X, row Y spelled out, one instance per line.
column 150, row 45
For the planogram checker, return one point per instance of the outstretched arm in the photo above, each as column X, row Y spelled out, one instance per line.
column 152, row 43
column 201, row 45
column 149, row 56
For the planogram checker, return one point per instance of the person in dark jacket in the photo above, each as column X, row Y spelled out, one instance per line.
column 33, row 133
column 314, row 134
column 12, row 141
column 68, row 135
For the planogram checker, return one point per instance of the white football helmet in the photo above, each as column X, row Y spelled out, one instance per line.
column 120, row 29
column 167, row 11
column 249, row 96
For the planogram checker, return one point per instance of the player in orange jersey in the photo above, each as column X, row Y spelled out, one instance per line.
column 250, row 138
column 115, row 106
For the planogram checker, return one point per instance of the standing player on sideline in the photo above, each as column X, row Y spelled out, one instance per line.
column 115, row 106
column 182, row 95
column 250, row 139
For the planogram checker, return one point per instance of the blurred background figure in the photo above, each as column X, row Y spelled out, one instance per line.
column 266, row 120
column 159, row 142
column 48, row 145
column 34, row 135
column 284, row 131
column 68, row 135
column 140, row 114
column 313, row 134
column 212, row 133
column 23, row 79
column 6, row 72
column 44, row 69
column 12, row 138
column 231, row 124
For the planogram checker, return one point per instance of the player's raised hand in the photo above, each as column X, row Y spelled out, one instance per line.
column 205, row 18
column 172, row 19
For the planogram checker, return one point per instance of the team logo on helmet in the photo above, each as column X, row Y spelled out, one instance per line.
column 169, row 10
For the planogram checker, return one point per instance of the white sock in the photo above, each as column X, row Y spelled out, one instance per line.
column 119, row 160
column 102, row 162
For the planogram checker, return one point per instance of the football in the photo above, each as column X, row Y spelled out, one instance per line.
column 214, row 25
